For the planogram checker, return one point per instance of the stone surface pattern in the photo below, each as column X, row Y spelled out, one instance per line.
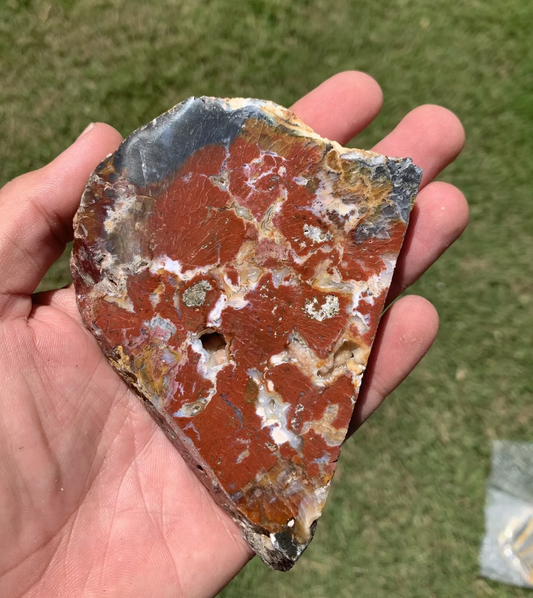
column 233, row 267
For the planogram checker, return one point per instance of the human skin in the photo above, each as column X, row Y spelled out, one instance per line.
column 94, row 500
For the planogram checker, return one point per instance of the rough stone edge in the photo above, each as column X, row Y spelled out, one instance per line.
column 256, row 537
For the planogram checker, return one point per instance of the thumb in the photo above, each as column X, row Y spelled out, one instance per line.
column 36, row 212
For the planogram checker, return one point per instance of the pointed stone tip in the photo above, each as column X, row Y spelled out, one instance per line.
column 281, row 550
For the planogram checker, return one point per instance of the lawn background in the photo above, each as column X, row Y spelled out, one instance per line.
column 405, row 515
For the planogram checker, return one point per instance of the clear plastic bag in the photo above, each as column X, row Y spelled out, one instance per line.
column 507, row 550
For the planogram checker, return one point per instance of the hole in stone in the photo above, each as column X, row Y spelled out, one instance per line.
column 199, row 467
column 213, row 341
column 112, row 280
column 341, row 357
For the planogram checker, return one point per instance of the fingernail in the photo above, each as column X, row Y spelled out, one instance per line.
column 85, row 131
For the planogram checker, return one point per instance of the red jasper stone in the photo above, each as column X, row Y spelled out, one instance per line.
column 233, row 266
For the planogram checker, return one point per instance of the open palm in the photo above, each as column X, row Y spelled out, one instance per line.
column 93, row 497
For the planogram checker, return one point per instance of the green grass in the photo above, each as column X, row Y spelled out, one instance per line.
column 405, row 516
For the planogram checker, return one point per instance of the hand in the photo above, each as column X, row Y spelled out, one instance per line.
column 93, row 496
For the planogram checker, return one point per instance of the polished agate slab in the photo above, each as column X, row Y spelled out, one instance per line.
column 233, row 266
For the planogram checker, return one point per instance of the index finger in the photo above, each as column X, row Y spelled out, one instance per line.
column 342, row 106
